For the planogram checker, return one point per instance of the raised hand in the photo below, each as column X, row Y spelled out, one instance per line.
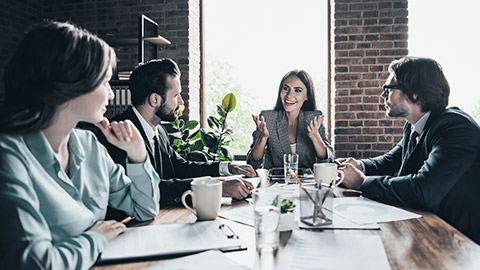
column 109, row 228
column 313, row 127
column 125, row 136
column 261, row 125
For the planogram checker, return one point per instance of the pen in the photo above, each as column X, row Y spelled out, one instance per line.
column 126, row 220
column 229, row 234
column 308, row 193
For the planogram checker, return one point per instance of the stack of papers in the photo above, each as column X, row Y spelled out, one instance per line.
column 326, row 250
column 348, row 213
column 364, row 211
column 147, row 242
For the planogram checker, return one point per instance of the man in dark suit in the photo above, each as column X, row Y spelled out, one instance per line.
column 155, row 90
column 436, row 165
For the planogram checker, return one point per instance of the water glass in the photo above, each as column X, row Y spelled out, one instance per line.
column 290, row 162
column 316, row 205
column 266, row 204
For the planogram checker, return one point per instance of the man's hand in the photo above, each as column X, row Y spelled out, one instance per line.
column 125, row 136
column 343, row 161
column 353, row 177
column 235, row 187
column 244, row 169
column 109, row 228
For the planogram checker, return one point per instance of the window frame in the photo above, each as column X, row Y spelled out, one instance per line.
column 329, row 73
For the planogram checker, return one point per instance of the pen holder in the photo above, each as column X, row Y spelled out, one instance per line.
column 316, row 205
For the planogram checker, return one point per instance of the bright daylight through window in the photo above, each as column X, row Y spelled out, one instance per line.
column 249, row 45
column 447, row 32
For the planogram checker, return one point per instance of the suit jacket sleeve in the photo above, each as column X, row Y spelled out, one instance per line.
column 330, row 157
column 445, row 152
column 256, row 163
column 177, row 172
column 387, row 164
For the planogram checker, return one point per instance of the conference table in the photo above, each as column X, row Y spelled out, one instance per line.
column 424, row 243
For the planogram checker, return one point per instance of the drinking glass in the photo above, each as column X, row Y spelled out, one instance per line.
column 290, row 162
column 266, row 204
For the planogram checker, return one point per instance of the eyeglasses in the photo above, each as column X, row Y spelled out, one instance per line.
column 387, row 89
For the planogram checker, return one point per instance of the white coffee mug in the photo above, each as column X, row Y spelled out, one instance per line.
column 327, row 174
column 206, row 197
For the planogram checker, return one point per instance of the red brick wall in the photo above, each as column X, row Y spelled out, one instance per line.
column 368, row 35
column 178, row 22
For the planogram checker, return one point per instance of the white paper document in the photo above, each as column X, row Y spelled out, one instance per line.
column 324, row 250
column 339, row 222
column 242, row 214
column 364, row 211
column 171, row 240
column 286, row 191
column 212, row 260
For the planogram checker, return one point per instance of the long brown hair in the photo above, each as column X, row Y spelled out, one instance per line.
column 309, row 104
column 54, row 63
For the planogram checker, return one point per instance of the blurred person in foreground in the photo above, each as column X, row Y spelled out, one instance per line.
column 56, row 180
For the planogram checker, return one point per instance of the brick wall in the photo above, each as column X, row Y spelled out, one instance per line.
column 368, row 35
column 15, row 18
column 178, row 22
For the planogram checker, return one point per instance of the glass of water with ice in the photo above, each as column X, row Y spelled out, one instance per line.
column 266, row 204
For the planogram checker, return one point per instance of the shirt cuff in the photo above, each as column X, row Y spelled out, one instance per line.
column 363, row 167
column 223, row 168
column 99, row 240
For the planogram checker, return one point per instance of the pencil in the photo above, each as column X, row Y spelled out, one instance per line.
column 308, row 193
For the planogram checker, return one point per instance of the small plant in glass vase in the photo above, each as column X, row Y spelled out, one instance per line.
column 287, row 216
column 203, row 144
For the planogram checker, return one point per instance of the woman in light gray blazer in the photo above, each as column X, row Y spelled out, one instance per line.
column 293, row 126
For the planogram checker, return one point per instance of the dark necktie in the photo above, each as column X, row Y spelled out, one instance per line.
column 412, row 142
column 157, row 157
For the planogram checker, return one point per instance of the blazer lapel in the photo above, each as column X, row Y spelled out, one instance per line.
column 302, row 135
column 406, row 136
column 282, row 133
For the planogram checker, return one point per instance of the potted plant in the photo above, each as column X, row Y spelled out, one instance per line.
column 287, row 216
column 203, row 144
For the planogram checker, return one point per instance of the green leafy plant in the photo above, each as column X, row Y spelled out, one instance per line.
column 188, row 146
column 285, row 206
column 212, row 144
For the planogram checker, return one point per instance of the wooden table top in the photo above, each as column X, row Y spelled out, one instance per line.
column 424, row 243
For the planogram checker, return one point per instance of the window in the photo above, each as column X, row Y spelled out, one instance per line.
column 447, row 32
column 250, row 45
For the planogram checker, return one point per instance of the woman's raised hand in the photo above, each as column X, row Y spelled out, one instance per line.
column 314, row 125
column 261, row 125
column 125, row 135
